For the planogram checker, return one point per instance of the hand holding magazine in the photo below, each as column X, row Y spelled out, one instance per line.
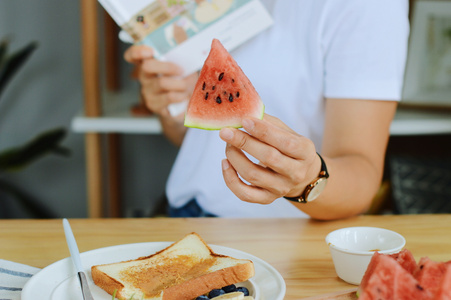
column 181, row 31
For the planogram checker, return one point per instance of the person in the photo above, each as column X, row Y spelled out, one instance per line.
column 330, row 74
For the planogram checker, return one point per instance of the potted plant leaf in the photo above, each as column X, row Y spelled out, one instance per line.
column 17, row 158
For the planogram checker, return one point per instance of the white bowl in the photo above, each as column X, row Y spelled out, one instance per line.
column 352, row 248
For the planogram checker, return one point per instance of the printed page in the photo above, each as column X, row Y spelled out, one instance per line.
column 181, row 31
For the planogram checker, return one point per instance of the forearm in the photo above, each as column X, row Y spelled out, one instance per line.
column 173, row 129
column 354, row 145
column 352, row 184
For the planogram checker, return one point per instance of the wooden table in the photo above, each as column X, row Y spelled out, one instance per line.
column 295, row 247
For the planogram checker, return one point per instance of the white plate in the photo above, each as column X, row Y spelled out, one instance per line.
column 58, row 280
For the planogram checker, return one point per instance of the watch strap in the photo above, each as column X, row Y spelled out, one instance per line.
column 323, row 173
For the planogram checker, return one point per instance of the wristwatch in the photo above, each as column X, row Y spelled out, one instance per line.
column 314, row 189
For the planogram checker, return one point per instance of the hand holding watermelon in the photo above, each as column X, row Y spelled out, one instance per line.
column 288, row 161
column 225, row 99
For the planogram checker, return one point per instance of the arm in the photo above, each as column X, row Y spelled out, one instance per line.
column 162, row 85
column 354, row 144
column 355, row 140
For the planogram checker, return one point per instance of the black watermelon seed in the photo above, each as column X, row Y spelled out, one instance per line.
column 221, row 76
column 203, row 87
column 213, row 88
column 218, row 100
column 233, row 80
column 237, row 94
column 419, row 287
column 231, row 98
column 206, row 96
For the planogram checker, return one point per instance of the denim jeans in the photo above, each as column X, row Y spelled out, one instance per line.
column 189, row 210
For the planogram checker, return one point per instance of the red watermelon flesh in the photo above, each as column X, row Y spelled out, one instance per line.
column 406, row 260
column 386, row 279
column 428, row 272
column 377, row 276
column 397, row 276
column 223, row 95
column 444, row 292
column 407, row 288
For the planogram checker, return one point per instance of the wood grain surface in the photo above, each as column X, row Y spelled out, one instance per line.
column 295, row 247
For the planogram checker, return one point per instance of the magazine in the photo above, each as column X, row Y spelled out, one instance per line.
column 181, row 31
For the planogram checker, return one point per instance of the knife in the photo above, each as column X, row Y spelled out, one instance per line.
column 75, row 254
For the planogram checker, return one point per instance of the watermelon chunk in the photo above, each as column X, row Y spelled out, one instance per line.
column 386, row 279
column 376, row 276
column 444, row 292
column 223, row 95
column 428, row 272
column 397, row 276
column 406, row 260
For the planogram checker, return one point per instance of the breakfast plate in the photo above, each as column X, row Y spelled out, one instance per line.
column 59, row 280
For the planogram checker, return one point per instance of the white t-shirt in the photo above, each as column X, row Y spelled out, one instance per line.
column 315, row 49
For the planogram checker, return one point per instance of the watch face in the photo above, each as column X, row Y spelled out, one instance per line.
column 317, row 189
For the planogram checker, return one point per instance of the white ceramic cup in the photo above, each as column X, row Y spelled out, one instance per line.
column 352, row 248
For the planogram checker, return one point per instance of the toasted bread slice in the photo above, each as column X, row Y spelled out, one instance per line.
column 184, row 270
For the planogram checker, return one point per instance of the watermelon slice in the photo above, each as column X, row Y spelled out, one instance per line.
column 406, row 260
column 427, row 273
column 397, row 276
column 223, row 95
column 444, row 292
column 386, row 279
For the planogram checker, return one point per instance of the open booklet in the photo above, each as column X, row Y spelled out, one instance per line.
column 181, row 31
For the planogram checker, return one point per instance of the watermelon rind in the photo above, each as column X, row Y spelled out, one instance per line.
column 201, row 124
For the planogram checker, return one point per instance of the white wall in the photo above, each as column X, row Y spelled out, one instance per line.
column 47, row 93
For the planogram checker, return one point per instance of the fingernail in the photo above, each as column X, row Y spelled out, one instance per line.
column 248, row 124
column 225, row 164
column 147, row 53
column 226, row 133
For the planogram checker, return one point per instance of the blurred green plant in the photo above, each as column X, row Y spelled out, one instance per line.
column 17, row 158
column 448, row 33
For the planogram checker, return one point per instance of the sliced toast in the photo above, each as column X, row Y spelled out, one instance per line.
column 184, row 270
